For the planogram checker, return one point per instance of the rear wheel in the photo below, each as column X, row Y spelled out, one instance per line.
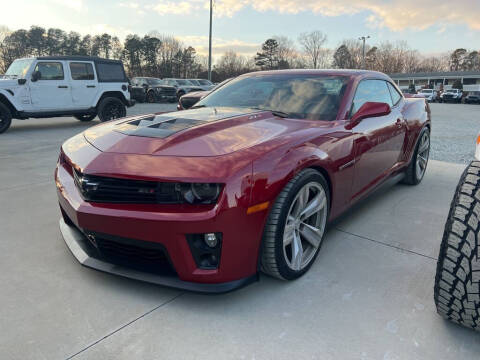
column 418, row 165
column 457, row 280
column 296, row 226
column 5, row 118
column 111, row 108
column 85, row 117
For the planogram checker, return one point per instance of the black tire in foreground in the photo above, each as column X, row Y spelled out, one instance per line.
column 456, row 292
column 418, row 165
column 295, row 227
column 85, row 117
column 111, row 108
column 5, row 118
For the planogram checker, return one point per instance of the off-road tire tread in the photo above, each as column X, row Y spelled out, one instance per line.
column 456, row 291
column 269, row 263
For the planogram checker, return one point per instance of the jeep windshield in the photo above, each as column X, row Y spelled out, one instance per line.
column 297, row 96
column 19, row 68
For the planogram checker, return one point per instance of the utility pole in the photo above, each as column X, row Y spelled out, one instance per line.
column 210, row 44
column 364, row 39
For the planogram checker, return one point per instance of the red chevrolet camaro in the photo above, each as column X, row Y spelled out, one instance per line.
column 246, row 181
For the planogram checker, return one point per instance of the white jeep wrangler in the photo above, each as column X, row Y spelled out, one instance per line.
column 52, row 86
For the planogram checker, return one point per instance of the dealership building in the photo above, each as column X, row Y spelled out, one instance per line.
column 469, row 79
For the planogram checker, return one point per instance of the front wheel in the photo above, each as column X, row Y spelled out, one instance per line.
column 296, row 226
column 151, row 98
column 111, row 108
column 85, row 117
column 418, row 165
column 5, row 118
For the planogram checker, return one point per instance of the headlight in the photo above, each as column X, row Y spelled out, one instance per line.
column 200, row 193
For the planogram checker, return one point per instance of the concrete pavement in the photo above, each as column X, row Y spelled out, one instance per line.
column 368, row 296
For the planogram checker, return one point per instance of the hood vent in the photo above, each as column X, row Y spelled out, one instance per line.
column 156, row 126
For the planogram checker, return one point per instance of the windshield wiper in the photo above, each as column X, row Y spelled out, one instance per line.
column 274, row 112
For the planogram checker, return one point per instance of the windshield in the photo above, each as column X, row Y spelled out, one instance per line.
column 183, row 82
column 299, row 96
column 194, row 82
column 204, row 82
column 155, row 82
column 19, row 68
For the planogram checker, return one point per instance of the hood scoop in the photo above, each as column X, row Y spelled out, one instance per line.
column 156, row 126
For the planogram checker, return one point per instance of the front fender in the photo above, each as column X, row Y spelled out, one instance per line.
column 272, row 172
column 7, row 96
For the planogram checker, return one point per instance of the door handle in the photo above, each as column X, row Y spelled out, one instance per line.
column 90, row 86
column 62, row 86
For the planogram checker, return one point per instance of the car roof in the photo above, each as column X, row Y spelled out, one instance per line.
column 324, row 72
column 95, row 59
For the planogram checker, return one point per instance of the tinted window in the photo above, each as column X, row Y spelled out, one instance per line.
column 299, row 96
column 204, row 82
column 82, row 71
column 395, row 95
column 50, row 70
column 110, row 72
column 371, row 91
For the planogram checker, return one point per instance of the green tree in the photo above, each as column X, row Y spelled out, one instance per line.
column 342, row 59
column 268, row 58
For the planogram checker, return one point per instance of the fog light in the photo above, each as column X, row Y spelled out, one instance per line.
column 211, row 240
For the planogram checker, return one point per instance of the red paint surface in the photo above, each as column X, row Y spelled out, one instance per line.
column 254, row 156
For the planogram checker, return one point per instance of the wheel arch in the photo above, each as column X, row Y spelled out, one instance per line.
column 5, row 101
column 116, row 94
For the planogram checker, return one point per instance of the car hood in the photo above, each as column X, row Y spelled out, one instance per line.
column 8, row 83
column 194, row 133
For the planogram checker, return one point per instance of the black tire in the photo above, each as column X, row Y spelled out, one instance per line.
column 412, row 177
column 273, row 260
column 151, row 98
column 5, row 118
column 456, row 292
column 111, row 108
column 85, row 117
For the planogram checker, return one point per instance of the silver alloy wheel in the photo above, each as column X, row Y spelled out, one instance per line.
column 422, row 155
column 305, row 225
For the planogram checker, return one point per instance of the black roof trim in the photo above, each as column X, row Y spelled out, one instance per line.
column 95, row 59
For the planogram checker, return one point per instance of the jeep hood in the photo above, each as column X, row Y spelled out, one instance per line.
column 8, row 83
column 193, row 133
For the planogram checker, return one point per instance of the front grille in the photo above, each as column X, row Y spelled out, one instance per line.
column 188, row 102
column 113, row 190
column 141, row 255
column 167, row 91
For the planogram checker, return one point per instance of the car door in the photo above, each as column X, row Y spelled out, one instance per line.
column 84, row 84
column 379, row 141
column 51, row 92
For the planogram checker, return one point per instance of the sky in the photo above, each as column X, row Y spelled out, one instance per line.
column 431, row 26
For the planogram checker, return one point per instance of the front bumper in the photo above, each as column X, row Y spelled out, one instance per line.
column 169, row 226
column 82, row 250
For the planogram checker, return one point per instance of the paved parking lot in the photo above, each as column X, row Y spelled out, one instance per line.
column 368, row 296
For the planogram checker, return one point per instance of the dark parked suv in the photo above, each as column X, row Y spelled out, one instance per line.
column 473, row 97
column 155, row 89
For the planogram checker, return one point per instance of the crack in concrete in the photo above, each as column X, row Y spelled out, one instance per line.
column 125, row 325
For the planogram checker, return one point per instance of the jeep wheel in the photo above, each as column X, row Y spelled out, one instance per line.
column 111, row 108
column 151, row 97
column 85, row 117
column 5, row 118
column 456, row 293
column 295, row 227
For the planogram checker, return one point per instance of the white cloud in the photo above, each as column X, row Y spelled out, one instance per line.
column 220, row 46
column 77, row 5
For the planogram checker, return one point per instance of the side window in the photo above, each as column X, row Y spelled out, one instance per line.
column 110, row 72
column 50, row 70
column 82, row 71
column 371, row 91
column 396, row 97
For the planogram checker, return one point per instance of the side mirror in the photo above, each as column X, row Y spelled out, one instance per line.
column 369, row 110
column 36, row 75
column 22, row 81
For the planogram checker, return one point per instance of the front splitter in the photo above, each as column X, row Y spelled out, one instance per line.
column 77, row 243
